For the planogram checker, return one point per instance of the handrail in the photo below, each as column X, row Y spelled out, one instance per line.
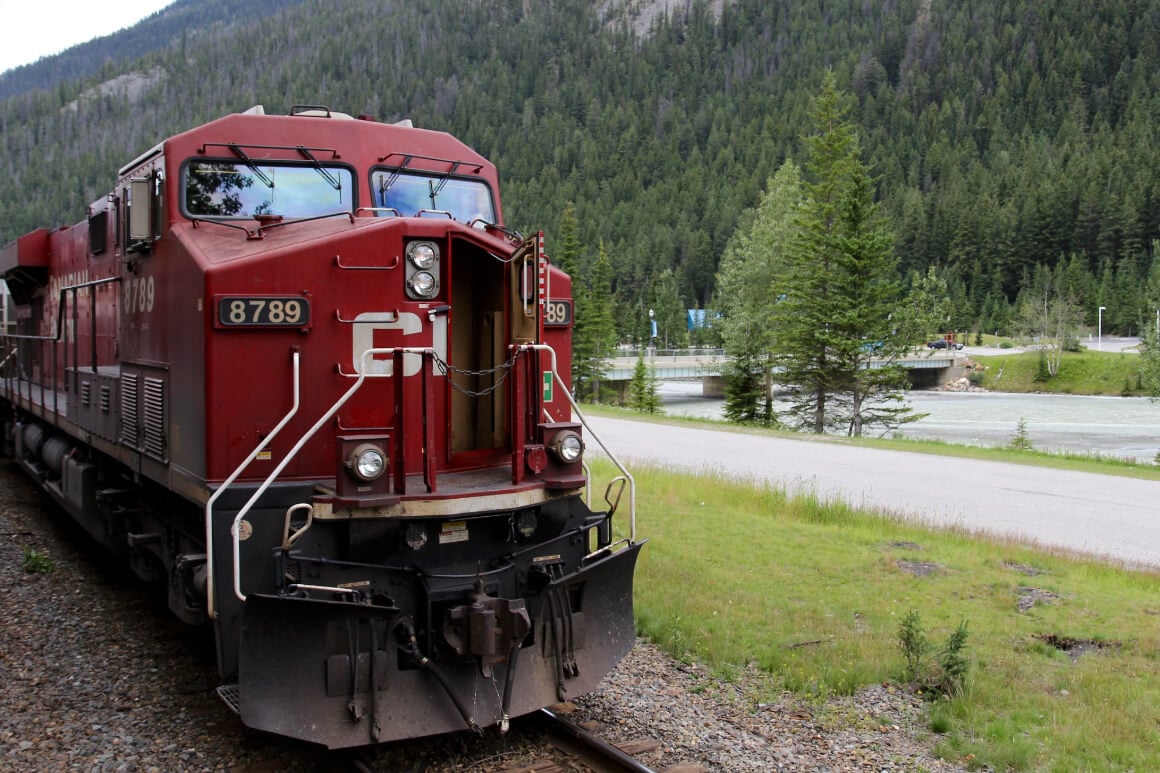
column 289, row 539
column 60, row 307
column 575, row 407
column 234, row 476
column 420, row 350
column 392, row 267
column 58, row 337
column 242, row 513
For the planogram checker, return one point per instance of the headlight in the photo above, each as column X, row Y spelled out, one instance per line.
column 567, row 447
column 422, row 254
column 367, row 462
column 422, row 284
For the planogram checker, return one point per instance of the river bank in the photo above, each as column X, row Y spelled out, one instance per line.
column 1108, row 367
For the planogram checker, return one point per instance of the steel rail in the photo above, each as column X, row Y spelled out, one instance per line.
column 615, row 759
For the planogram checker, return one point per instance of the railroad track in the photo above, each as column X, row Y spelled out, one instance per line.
column 547, row 742
column 595, row 753
column 84, row 599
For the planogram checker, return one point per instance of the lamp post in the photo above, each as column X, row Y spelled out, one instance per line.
column 1100, row 330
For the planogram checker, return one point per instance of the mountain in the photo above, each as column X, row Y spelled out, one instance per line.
column 173, row 25
column 1003, row 134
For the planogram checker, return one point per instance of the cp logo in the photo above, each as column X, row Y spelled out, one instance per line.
column 382, row 329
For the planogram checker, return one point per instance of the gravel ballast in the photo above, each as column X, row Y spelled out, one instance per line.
column 96, row 676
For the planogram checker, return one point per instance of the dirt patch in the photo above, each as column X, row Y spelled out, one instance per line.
column 918, row 568
column 1075, row 648
column 906, row 545
column 1029, row 597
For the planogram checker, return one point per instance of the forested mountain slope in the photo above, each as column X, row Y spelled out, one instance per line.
column 1002, row 133
column 174, row 25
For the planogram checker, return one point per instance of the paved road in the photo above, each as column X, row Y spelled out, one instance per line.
column 1103, row 515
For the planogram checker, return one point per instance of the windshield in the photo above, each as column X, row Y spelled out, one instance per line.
column 229, row 189
column 412, row 195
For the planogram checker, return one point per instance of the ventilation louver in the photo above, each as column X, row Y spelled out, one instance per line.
column 155, row 418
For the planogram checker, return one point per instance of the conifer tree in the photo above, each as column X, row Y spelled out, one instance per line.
column 840, row 290
column 1150, row 331
column 594, row 336
column 669, row 310
column 567, row 257
column 643, row 390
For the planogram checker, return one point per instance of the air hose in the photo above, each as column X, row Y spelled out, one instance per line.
column 509, row 680
column 425, row 663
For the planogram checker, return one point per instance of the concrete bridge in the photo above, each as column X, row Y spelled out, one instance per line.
column 708, row 366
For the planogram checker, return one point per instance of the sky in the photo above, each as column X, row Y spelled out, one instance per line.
column 35, row 28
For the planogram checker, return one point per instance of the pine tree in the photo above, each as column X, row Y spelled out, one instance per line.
column 594, row 338
column 644, row 388
column 840, row 289
column 669, row 311
column 567, row 257
column 1150, row 333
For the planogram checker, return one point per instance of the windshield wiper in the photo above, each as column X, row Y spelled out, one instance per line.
column 386, row 183
column 251, row 165
column 318, row 167
column 435, row 189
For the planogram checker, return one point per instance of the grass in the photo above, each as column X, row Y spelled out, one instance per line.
column 36, row 563
column 813, row 594
column 1085, row 372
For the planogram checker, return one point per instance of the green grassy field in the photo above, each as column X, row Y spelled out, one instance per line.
column 1080, row 373
column 1064, row 653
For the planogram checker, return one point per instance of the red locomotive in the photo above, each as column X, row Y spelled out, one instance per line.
column 296, row 368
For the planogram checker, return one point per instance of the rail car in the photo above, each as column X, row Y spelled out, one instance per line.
column 296, row 368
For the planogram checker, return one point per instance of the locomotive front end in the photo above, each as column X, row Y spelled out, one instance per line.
column 398, row 538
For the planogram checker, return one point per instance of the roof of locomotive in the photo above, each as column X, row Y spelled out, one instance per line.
column 354, row 139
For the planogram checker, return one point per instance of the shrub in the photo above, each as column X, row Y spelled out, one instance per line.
column 643, row 394
column 945, row 674
column 952, row 661
column 914, row 645
column 1021, row 440
column 36, row 563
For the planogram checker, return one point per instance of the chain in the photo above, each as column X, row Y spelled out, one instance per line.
column 447, row 370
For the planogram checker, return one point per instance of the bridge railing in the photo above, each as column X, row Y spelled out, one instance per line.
column 633, row 352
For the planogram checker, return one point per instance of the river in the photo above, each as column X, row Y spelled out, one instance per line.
column 1121, row 427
